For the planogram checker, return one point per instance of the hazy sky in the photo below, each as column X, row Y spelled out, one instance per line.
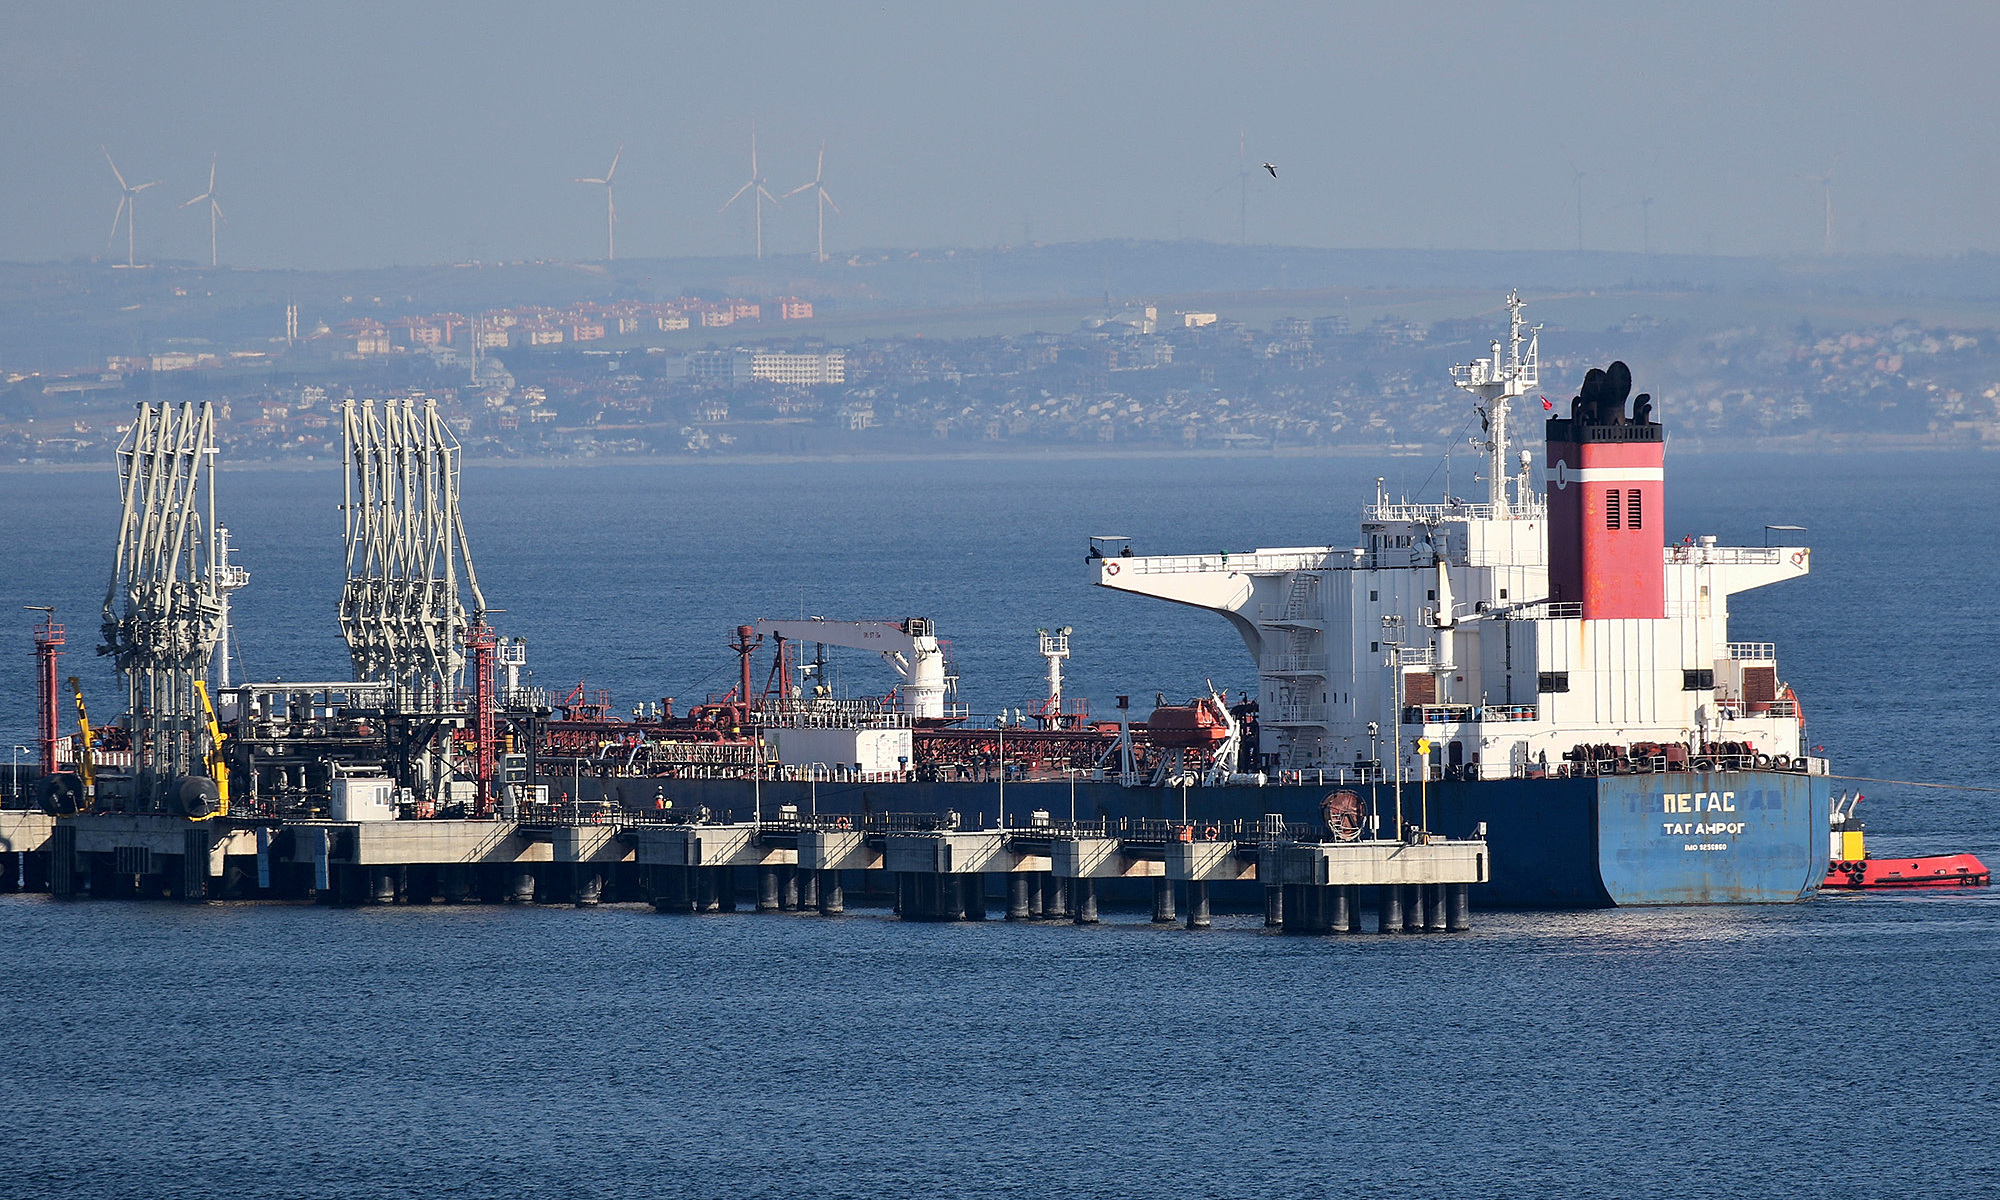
column 373, row 134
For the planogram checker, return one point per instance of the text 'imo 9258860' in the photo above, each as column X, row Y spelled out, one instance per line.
column 1539, row 661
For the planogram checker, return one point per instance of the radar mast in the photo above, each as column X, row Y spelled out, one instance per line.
column 1498, row 382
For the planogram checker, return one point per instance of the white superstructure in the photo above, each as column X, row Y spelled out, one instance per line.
column 1439, row 622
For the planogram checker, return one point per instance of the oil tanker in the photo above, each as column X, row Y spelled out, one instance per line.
column 1538, row 662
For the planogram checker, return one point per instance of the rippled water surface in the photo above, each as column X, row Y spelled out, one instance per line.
column 1842, row 1046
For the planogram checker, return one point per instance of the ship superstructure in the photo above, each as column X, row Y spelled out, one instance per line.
column 1522, row 635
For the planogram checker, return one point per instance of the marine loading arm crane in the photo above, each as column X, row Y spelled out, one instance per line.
column 910, row 647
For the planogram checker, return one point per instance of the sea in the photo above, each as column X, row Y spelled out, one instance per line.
column 1844, row 1045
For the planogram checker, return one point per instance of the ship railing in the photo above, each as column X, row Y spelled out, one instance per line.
column 1461, row 714
column 1299, row 714
column 1298, row 664
column 1181, row 564
column 1728, row 556
column 1431, row 514
column 1342, row 775
column 1753, row 651
column 1547, row 610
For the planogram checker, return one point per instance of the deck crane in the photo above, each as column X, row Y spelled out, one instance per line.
column 910, row 647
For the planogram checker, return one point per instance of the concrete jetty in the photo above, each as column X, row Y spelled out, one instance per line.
column 924, row 868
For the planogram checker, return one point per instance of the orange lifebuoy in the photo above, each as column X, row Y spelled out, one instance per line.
column 840, row 822
column 1798, row 558
column 1210, row 834
column 1110, row 568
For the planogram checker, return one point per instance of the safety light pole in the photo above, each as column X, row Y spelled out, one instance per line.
column 17, row 776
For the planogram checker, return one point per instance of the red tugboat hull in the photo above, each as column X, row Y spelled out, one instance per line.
column 1935, row 870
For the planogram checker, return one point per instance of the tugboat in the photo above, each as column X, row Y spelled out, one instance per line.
column 1850, row 869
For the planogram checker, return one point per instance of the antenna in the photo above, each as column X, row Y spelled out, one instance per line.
column 610, row 206
column 214, row 215
column 821, row 197
column 755, row 186
column 128, row 207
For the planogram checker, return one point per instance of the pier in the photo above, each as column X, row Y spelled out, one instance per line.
column 923, row 868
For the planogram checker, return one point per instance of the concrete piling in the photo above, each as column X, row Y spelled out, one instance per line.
column 808, row 889
column 1197, row 908
column 725, row 889
column 1389, row 908
column 1017, row 896
column 1055, row 898
column 767, row 889
column 1274, row 906
column 1340, row 915
column 788, row 889
column 1458, row 905
column 1434, row 908
column 1413, row 908
column 589, row 887
column 1163, row 900
column 1086, row 902
column 832, row 900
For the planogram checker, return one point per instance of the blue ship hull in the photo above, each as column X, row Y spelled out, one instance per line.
column 1721, row 837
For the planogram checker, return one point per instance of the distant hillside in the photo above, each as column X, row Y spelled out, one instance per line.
column 66, row 315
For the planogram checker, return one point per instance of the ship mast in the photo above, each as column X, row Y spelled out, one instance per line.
column 1498, row 382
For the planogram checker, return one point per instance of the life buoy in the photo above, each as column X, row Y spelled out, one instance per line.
column 1798, row 558
column 840, row 822
column 1110, row 568
column 1210, row 833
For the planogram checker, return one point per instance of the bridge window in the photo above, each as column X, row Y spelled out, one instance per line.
column 1611, row 508
column 1552, row 681
column 1697, row 681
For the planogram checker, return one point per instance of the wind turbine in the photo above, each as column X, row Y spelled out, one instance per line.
column 756, row 186
column 1576, row 177
column 1243, row 176
column 214, row 209
column 821, row 197
column 128, row 207
column 1825, row 183
column 610, row 208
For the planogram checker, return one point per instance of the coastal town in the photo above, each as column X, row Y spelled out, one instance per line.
column 734, row 376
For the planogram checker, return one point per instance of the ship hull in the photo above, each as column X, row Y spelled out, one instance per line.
column 1721, row 837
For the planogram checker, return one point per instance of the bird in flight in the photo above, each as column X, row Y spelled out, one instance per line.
column 1272, row 168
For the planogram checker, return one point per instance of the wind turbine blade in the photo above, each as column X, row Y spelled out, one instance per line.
column 196, row 200
column 217, row 210
column 766, row 195
column 142, row 187
column 819, row 172
column 114, row 166
column 738, row 196
column 613, row 169
column 807, row 185
column 211, row 172
column 581, row 179
column 115, row 218
column 828, row 197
